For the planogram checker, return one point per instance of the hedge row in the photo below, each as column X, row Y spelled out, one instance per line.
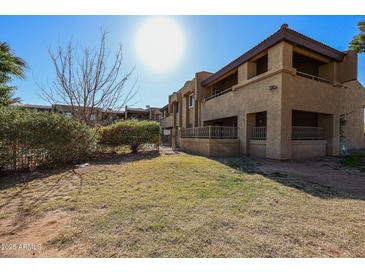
column 28, row 136
column 132, row 133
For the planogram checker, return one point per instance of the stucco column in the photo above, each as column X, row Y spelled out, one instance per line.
column 242, row 131
column 246, row 71
column 249, row 125
column 331, row 125
column 196, row 113
column 280, row 56
column 278, row 134
column 173, row 130
column 286, row 132
column 187, row 116
column 335, row 143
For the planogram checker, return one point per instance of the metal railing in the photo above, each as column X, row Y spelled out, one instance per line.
column 307, row 133
column 259, row 133
column 313, row 77
column 218, row 94
column 298, row 133
column 210, row 132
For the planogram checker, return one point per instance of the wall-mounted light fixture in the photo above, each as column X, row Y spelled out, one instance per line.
column 273, row 87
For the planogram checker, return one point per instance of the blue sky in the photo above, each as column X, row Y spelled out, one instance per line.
column 210, row 43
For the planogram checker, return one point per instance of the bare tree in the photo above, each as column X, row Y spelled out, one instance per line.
column 87, row 82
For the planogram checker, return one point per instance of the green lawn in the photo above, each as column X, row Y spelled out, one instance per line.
column 187, row 206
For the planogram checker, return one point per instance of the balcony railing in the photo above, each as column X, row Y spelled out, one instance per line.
column 218, row 94
column 210, row 132
column 307, row 133
column 298, row 133
column 313, row 77
column 259, row 133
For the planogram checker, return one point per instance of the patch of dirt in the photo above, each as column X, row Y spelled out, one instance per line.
column 165, row 151
column 30, row 240
column 324, row 171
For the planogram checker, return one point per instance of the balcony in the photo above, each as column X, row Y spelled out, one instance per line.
column 313, row 77
column 307, row 133
column 259, row 133
column 298, row 133
column 210, row 132
column 218, row 94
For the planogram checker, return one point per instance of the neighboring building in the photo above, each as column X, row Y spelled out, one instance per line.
column 100, row 115
column 148, row 113
column 283, row 99
column 40, row 108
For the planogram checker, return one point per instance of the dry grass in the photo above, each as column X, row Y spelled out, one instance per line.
column 186, row 206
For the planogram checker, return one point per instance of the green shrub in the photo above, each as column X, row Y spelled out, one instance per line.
column 26, row 134
column 133, row 133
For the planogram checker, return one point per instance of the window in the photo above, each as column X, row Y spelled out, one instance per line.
column 93, row 117
column 191, row 101
column 177, row 107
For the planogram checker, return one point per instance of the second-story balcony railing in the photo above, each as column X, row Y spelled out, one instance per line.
column 218, row 94
column 210, row 132
column 313, row 77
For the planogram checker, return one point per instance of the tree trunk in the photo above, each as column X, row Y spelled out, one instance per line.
column 134, row 148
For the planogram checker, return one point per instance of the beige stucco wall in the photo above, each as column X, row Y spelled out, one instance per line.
column 347, row 69
column 211, row 147
column 307, row 95
column 257, row 148
column 167, row 122
column 250, row 96
column 353, row 102
column 304, row 149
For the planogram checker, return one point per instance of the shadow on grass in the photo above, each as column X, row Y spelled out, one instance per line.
column 350, row 189
column 21, row 178
column 65, row 180
column 118, row 159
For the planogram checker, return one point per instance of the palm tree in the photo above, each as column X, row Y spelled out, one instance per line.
column 10, row 66
column 358, row 42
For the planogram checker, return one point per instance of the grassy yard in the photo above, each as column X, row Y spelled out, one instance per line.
column 181, row 206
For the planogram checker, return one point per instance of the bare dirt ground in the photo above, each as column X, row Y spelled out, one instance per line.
column 324, row 171
column 30, row 237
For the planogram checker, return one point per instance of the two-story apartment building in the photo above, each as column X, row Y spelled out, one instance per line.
column 283, row 99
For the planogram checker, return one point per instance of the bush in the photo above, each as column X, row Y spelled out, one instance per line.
column 130, row 132
column 28, row 136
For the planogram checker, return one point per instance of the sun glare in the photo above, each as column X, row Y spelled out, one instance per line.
column 160, row 43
